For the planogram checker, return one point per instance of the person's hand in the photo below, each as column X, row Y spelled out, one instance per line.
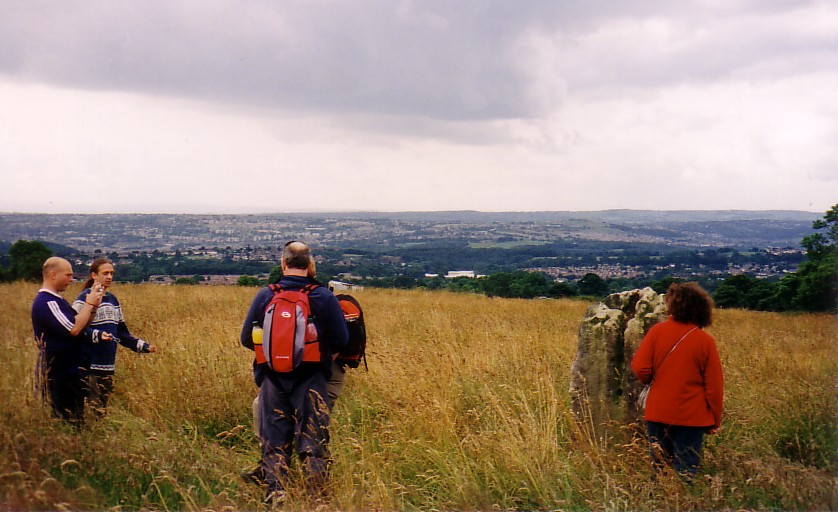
column 152, row 348
column 713, row 430
column 94, row 298
column 106, row 336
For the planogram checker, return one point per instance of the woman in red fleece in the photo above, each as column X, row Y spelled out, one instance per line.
column 685, row 400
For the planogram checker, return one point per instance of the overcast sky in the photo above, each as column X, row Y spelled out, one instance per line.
column 231, row 106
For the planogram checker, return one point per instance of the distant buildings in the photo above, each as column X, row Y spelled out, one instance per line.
column 340, row 286
column 208, row 280
column 452, row 274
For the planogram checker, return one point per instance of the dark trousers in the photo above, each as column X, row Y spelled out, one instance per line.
column 66, row 395
column 676, row 445
column 294, row 416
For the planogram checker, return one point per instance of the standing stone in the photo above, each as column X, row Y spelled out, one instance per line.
column 603, row 388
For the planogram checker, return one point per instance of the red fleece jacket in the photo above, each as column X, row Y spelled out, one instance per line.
column 689, row 388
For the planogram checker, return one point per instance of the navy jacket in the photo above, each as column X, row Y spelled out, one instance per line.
column 52, row 321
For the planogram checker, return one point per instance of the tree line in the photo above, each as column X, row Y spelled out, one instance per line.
column 813, row 287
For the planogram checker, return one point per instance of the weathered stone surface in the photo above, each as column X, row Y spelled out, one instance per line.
column 602, row 385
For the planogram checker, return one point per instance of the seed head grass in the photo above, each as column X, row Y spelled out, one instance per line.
column 465, row 407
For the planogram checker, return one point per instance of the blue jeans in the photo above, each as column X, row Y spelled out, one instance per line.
column 676, row 445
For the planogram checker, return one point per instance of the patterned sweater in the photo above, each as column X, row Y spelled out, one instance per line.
column 108, row 319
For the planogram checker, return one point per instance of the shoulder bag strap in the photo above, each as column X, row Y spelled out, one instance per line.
column 671, row 350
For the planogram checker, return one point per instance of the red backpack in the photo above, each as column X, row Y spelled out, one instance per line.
column 289, row 336
column 356, row 347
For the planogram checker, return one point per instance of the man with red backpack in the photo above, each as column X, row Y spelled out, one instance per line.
column 302, row 330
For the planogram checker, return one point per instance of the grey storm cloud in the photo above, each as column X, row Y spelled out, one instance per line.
column 355, row 56
column 440, row 60
column 419, row 104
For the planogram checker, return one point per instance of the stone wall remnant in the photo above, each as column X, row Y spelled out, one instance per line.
column 603, row 388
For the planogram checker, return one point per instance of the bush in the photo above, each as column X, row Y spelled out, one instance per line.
column 249, row 281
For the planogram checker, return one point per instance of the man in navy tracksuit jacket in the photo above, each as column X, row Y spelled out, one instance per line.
column 59, row 332
column 294, row 415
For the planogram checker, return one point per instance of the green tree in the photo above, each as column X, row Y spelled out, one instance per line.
column 729, row 296
column 824, row 241
column 248, row 281
column 404, row 282
column 763, row 296
column 817, row 278
column 465, row 284
column 275, row 275
column 497, row 284
column 558, row 290
column 743, row 291
column 786, row 291
column 432, row 283
column 592, row 284
column 733, row 292
column 818, row 285
column 528, row 285
column 27, row 260
column 661, row 285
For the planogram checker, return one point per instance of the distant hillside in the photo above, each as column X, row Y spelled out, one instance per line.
column 616, row 216
column 380, row 230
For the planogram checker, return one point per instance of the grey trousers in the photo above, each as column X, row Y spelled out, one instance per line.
column 334, row 388
column 294, row 417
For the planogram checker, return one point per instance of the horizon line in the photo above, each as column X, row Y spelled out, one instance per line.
column 329, row 211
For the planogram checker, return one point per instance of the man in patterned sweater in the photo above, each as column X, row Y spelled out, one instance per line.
column 108, row 318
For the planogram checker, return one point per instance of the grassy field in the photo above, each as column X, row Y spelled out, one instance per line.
column 465, row 406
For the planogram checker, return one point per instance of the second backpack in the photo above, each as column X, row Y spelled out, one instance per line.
column 357, row 346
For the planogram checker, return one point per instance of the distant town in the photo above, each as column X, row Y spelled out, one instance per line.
column 364, row 248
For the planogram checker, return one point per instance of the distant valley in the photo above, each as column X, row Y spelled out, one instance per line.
column 627, row 248
column 381, row 231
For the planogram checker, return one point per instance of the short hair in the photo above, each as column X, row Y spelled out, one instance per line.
column 296, row 255
column 689, row 303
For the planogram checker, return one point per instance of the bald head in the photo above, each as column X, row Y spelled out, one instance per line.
column 53, row 264
column 57, row 273
column 296, row 255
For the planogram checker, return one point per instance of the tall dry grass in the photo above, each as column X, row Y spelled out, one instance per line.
column 465, row 406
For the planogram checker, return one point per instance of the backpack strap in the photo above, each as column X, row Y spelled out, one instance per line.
column 308, row 288
column 276, row 288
